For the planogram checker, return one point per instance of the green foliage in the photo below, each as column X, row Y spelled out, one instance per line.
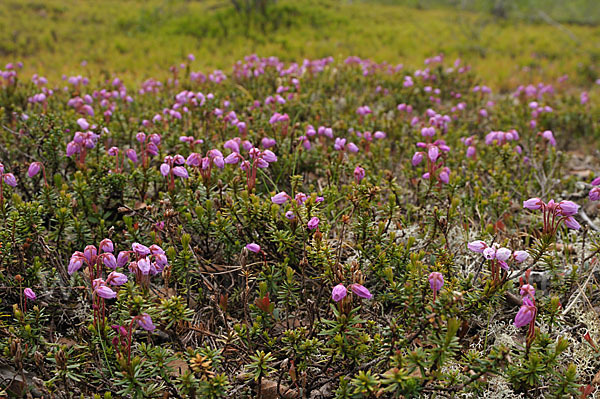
column 301, row 274
column 507, row 40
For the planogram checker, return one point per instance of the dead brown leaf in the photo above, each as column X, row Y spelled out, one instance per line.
column 179, row 367
column 269, row 391
column 66, row 341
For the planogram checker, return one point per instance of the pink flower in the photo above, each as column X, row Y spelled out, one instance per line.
column 116, row 278
column 233, row 145
column 417, row 158
column 144, row 265
column 571, row 223
column 76, row 262
column 280, row 198
column 131, row 154
column 161, row 260
column 109, row 260
column 359, row 173
column 90, row 252
column 268, row 143
column 165, row 169
column 352, row 147
column 300, row 198
column 156, row 250
column 433, row 153
column 269, row 156
column 232, row 158
column 364, row 110
column 594, row 194
column 526, row 313
column 219, row 161
column 145, row 321
column 477, row 246
column 504, row 265
column 29, row 294
column 520, row 256
column 72, row 148
column 428, row 131
column 253, row 247
column 34, row 169
column 339, row 144
column 436, row 281
column 503, row 254
column 527, row 290
column 180, row 171
column 102, row 290
column 10, row 179
column 533, row 203
column 313, row 223
column 495, row 252
column 471, row 151
column 106, row 245
column 122, row 258
column 83, row 124
column 568, row 208
column 339, row 292
column 139, row 249
column 550, row 137
column 361, row 291
column 596, row 181
column 444, row 175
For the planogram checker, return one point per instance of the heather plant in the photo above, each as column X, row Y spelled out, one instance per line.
column 316, row 229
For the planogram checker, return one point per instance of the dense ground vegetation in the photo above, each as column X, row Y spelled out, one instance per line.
column 535, row 40
column 328, row 228
column 321, row 224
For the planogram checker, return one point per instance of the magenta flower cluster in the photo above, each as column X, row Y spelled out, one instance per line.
column 339, row 292
column 498, row 254
column 256, row 159
column 300, row 198
column 172, row 167
column 433, row 152
column 528, row 311
column 148, row 261
column 82, row 140
column 555, row 213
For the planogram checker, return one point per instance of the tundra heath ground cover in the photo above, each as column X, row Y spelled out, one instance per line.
column 327, row 227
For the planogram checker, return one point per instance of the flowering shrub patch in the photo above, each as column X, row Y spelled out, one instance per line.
column 322, row 229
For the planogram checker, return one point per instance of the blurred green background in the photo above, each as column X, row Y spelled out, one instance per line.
column 508, row 42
